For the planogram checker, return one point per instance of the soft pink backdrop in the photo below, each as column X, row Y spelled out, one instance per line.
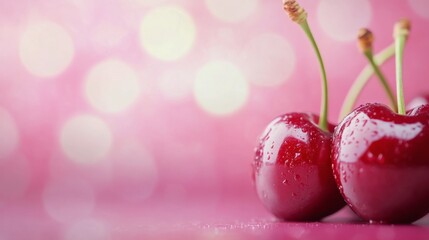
column 165, row 136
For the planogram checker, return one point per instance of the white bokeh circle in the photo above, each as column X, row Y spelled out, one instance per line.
column 269, row 60
column 167, row 33
column 68, row 199
column 85, row 139
column 220, row 88
column 231, row 10
column 45, row 49
column 112, row 86
column 341, row 19
column 421, row 7
column 9, row 137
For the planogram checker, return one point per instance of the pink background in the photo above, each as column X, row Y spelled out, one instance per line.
column 106, row 134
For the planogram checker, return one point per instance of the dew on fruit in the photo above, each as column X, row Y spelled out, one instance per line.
column 297, row 154
column 380, row 158
column 370, row 155
column 264, row 195
column 297, row 177
column 285, row 182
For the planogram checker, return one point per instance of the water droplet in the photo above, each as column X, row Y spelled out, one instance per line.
column 297, row 177
column 380, row 158
column 264, row 195
column 297, row 154
column 285, row 182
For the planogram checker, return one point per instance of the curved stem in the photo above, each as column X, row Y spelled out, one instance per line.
column 382, row 79
column 400, row 43
column 323, row 121
column 362, row 80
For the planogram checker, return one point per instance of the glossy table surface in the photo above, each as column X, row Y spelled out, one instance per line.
column 196, row 219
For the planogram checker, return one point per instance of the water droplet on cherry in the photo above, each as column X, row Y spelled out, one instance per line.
column 297, row 177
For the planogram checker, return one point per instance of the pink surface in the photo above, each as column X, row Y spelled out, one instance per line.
column 104, row 132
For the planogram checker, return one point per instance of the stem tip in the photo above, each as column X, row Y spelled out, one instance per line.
column 402, row 27
column 295, row 11
column 365, row 40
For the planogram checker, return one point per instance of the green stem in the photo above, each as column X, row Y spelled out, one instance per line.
column 400, row 43
column 382, row 79
column 362, row 80
column 323, row 121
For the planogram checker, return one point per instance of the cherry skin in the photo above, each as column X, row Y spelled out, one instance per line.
column 381, row 163
column 292, row 169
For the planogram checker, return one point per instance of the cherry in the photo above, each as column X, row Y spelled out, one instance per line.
column 292, row 168
column 381, row 163
column 381, row 159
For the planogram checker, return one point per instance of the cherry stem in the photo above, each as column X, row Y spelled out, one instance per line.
column 299, row 15
column 401, row 31
column 382, row 79
column 400, row 43
column 362, row 79
column 323, row 121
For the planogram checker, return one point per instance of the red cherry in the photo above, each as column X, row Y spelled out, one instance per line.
column 381, row 163
column 292, row 169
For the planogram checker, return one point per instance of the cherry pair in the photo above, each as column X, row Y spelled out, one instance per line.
column 376, row 160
